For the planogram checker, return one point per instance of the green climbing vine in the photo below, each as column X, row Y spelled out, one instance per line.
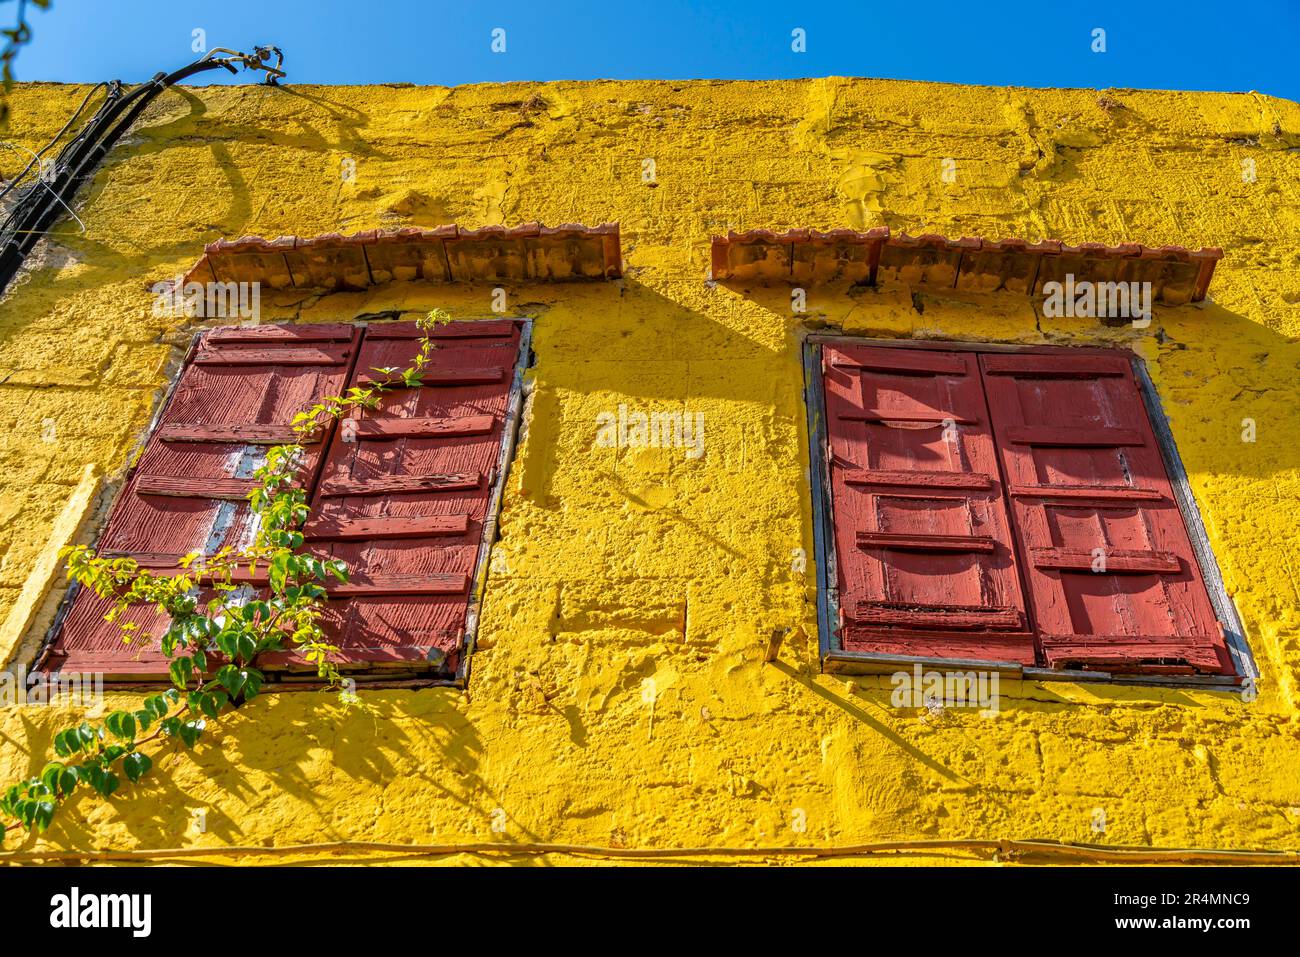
column 234, row 627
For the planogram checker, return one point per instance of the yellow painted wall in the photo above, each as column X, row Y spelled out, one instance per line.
column 616, row 566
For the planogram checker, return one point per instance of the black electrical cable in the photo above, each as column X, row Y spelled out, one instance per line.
column 41, row 206
column 34, row 220
column 36, row 157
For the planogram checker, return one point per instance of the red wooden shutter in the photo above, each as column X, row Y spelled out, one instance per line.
column 187, row 492
column 926, row 566
column 1113, row 581
column 405, row 492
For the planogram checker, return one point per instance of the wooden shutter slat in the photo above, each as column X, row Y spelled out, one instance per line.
column 168, row 565
column 438, row 377
column 401, row 526
column 305, row 332
column 918, row 478
column 1136, row 654
column 244, row 434
column 1116, row 559
column 400, row 484
column 926, row 543
column 144, row 559
column 940, row 616
column 183, row 486
column 872, row 415
column 240, row 574
column 1054, row 366
column 1070, row 436
column 236, row 356
column 899, row 361
column 471, row 329
column 398, row 585
column 427, row 426
column 1121, row 493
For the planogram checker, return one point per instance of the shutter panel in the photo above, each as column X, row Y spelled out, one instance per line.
column 186, row 493
column 926, row 565
column 1088, row 489
column 405, row 492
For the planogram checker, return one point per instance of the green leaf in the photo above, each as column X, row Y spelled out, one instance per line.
column 232, row 679
column 50, row 776
column 226, row 643
column 278, row 570
column 68, row 780
column 44, row 814
column 121, row 725
column 212, row 702
column 189, row 732
column 63, row 747
column 108, row 784
column 181, row 671
column 136, row 765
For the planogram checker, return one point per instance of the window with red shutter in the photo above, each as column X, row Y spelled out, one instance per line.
column 925, row 558
column 1004, row 507
column 402, row 492
column 1113, row 579
column 406, row 489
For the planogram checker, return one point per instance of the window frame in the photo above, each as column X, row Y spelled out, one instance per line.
column 370, row 675
column 836, row 660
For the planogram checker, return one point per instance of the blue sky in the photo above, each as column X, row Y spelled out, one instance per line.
column 1189, row 45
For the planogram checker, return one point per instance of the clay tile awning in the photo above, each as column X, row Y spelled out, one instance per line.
column 1177, row 274
column 528, row 253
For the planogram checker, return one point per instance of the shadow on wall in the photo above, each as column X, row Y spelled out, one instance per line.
column 188, row 204
column 231, row 773
column 605, row 345
column 1212, row 367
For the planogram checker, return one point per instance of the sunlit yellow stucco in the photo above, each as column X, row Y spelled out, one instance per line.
column 616, row 566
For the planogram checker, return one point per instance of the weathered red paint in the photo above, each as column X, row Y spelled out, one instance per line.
column 402, row 496
column 186, row 496
column 928, row 562
column 1113, row 580
column 491, row 374
column 243, row 434
column 363, row 528
column 925, row 561
column 417, row 474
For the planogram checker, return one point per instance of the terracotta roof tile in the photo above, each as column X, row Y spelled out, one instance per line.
column 800, row 255
column 1177, row 274
column 528, row 253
